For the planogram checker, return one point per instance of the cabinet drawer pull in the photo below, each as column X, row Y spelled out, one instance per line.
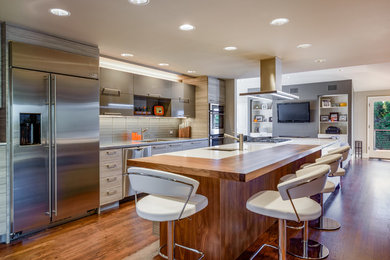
column 111, row 179
column 111, row 152
column 110, row 166
column 110, row 193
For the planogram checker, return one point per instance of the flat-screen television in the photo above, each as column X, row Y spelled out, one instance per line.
column 294, row 112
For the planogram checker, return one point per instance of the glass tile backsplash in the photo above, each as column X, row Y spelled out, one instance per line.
column 117, row 129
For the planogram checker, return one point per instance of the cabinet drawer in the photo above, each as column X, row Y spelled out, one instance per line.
column 114, row 155
column 175, row 147
column 110, row 169
column 111, row 181
column 109, row 195
column 195, row 145
column 158, row 149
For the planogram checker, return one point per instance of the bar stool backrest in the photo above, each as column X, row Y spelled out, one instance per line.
column 344, row 151
column 333, row 160
column 162, row 183
column 306, row 185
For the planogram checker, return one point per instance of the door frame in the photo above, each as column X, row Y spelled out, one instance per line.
column 382, row 154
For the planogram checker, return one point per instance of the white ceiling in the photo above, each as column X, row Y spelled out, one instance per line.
column 345, row 33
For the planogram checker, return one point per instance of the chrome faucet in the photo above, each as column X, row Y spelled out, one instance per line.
column 143, row 130
column 240, row 139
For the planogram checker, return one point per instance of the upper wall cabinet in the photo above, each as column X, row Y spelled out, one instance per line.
column 183, row 100
column 216, row 91
column 153, row 87
column 116, row 93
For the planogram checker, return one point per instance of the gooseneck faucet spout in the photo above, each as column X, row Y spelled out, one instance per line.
column 240, row 139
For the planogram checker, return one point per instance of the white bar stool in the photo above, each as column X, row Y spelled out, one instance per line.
column 172, row 197
column 344, row 151
column 292, row 202
column 325, row 223
column 333, row 160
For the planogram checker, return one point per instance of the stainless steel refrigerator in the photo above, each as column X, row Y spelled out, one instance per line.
column 55, row 136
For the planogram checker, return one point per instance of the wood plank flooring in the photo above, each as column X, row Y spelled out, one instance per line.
column 362, row 207
column 115, row 234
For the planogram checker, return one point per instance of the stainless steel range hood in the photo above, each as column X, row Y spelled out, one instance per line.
column 270, row 81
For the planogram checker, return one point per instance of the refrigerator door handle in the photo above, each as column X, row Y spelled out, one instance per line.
column 49, row 140
column 54, row 136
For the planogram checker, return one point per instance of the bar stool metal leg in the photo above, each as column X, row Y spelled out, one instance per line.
column 324, row 223
column 305, row 248
column 170, row 240
column 171, row 244
column 282, row 249
column 282, row 239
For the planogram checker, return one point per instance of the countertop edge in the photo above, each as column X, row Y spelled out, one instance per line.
column 116, row 146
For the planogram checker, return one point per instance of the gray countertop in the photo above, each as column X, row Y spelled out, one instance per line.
column 126, row 144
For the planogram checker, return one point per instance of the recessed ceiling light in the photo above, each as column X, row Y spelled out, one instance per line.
column 304, row 46
column 279, row 21
column 139, row 2
column 230, row 48
column 59, row 12
column 127, row 55
column 163, row 64
column 191, row 71
column 320, row 60
column 187, row 27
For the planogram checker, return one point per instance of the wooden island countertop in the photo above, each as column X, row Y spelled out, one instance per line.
column 225, row 228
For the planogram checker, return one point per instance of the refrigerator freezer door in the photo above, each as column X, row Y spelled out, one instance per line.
column 30, row 149
column 76, row 151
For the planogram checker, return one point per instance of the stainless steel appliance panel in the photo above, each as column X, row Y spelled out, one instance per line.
column 76, row 138
column 35, row 57
column 216, row 140
column 216, row 119
column 132, row 153
column 30, row 198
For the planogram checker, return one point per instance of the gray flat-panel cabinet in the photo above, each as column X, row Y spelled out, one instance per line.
column 183, row 100
column 158, row 149
column 216, row 91
column 153, row 87
column 116, row 92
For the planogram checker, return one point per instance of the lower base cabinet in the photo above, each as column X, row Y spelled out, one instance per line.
column 110, row 176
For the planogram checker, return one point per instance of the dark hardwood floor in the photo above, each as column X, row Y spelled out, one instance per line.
column 362, row 207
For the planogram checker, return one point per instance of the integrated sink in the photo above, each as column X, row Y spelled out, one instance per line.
column 223, row 149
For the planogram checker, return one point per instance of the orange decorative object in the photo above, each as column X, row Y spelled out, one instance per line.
column 343, row 104
column 158, row 110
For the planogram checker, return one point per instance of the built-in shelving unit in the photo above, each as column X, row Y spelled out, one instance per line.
column 333, row 112
column 261, row 117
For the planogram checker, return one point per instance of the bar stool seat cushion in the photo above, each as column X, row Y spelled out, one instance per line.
column 339, row 172
column 287, row 177
column 329, row 187
column 271, row 204
column 163, row 208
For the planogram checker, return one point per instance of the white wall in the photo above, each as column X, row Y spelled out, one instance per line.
column 242, row 103
column 360, row 112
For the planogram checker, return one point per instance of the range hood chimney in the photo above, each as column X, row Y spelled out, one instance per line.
column 270, row 81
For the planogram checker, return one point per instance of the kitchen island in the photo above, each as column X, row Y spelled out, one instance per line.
column 228, row 178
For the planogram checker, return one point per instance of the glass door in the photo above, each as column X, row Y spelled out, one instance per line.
column 379, row 127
